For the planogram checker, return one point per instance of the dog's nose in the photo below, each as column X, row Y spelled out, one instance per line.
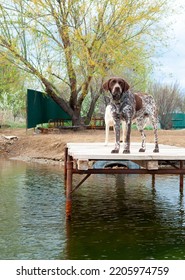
column 117, row 88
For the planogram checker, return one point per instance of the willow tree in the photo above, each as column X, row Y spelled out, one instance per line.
column 68, row 43
column 12, row 92
column 169, row 100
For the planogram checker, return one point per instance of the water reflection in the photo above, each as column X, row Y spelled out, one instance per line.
column 31, row 212
column 124, row 218
column 114, row 217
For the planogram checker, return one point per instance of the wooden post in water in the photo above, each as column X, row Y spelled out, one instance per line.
column 181, row 177
column 69, row 175
column 65, row 167
column 153, row 181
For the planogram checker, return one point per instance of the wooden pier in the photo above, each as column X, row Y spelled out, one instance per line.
column 80, row 159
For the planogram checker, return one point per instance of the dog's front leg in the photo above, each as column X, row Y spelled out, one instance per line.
column 127, row 139
column 106, row 133
column 117, row 135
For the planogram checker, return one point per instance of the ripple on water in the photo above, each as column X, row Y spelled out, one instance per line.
column 114, row 217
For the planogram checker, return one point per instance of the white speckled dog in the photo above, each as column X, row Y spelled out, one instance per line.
column 127, row 106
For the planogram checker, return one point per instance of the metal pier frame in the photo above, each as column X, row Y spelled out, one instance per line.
column 72, row 167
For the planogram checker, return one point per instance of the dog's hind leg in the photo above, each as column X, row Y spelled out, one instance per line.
column 143, row 142
column 141, row 122
column 154, row 123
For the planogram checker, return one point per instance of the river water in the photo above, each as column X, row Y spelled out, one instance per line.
column 114, row 216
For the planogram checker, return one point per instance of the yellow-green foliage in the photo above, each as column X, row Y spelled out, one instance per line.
column 67, row 43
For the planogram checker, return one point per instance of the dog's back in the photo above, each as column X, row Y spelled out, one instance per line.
column 145, row 105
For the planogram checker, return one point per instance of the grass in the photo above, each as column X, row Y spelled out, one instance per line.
column 14, row 125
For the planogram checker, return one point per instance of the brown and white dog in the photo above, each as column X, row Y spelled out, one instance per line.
column 127, row 106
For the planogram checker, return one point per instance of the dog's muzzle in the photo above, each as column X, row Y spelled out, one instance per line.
column 116, row 95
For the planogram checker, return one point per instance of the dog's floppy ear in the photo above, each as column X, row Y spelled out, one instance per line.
column 106, row 85
column 125, row 86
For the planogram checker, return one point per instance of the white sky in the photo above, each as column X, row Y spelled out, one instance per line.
column 172, row 68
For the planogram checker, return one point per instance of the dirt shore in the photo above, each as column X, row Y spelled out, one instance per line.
column 49, row 148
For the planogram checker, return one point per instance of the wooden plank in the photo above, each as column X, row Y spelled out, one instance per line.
column 133, row 156
column 98, row 151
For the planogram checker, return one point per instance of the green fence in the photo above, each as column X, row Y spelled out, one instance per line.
column 42, row 109
column 178, row 120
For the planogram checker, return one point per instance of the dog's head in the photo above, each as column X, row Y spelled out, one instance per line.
column 116, row 86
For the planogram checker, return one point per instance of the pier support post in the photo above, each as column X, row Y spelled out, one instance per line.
column 69, row 175
column 65, row 167
column 153, row 181
column 181, row 177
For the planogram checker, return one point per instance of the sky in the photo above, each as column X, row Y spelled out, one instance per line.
column 172, row 61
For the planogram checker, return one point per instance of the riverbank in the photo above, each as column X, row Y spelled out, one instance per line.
column 49, row 148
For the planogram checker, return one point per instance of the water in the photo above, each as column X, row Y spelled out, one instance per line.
column 114, row 216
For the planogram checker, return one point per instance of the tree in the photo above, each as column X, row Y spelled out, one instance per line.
column 12, row 91
column 11, row 78
column 68, row 44
column 169, row 100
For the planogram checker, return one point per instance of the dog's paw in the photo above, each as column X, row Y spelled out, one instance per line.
column 115, row 151
column 141, row 150
column 126, row 151
column 156, row 150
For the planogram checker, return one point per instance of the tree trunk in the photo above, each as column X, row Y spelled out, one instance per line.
column 91, row 109
column 76, row 118
column 73, row 113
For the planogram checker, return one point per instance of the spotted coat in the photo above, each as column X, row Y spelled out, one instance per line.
column 127, row 106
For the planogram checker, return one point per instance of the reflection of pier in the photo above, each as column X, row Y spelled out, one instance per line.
column 80, row 157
